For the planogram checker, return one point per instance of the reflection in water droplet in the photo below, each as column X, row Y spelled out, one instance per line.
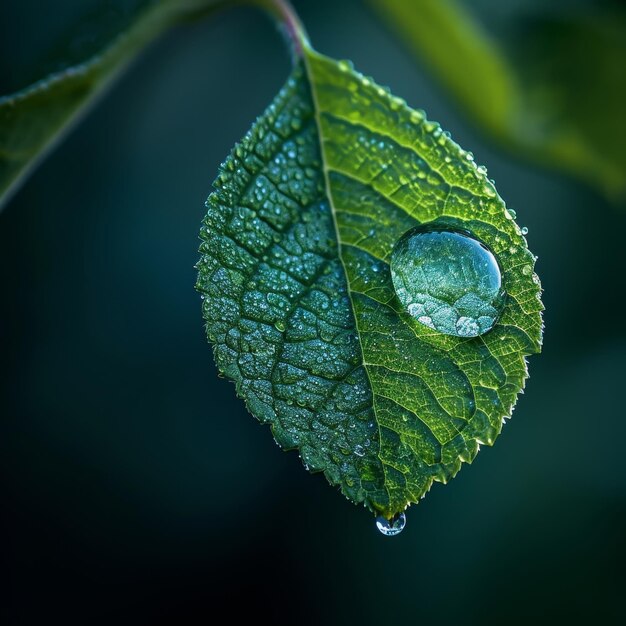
column 391, row 527
column 447, row 280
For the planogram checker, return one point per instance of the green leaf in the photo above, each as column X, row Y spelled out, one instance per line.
column 299, row 301
column 35, row 118
column 552, row 93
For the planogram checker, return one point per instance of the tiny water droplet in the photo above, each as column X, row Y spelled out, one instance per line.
column 396, row 104
column 391, row 527
column 417, row 116
column 524, row 230
column 279, row 325
column 447, row 280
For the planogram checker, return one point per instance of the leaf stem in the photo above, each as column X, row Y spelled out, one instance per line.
column 287, row 18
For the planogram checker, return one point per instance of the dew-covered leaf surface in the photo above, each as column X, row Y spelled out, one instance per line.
column 300, row 304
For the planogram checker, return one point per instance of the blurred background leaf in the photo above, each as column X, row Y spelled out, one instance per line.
column 80, row 67
column 550, row 89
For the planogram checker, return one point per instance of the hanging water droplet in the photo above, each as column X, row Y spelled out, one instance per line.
column 524, row 230
column 391, row 527
column 447, row 281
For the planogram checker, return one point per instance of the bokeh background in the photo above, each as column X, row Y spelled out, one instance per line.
column 134, row 485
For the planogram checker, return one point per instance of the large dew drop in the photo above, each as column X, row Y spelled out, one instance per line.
column 447, row 280
column 391, row 527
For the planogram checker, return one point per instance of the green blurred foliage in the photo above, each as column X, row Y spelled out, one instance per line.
column 136, row 488
column 92, row 55
column 549, row 88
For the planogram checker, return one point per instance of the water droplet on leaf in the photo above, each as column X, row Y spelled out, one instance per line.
column 447, row 280
column 391, row 527
column 524, row 230
column 417, row 116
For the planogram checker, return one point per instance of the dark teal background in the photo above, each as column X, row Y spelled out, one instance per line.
column 136, row 488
